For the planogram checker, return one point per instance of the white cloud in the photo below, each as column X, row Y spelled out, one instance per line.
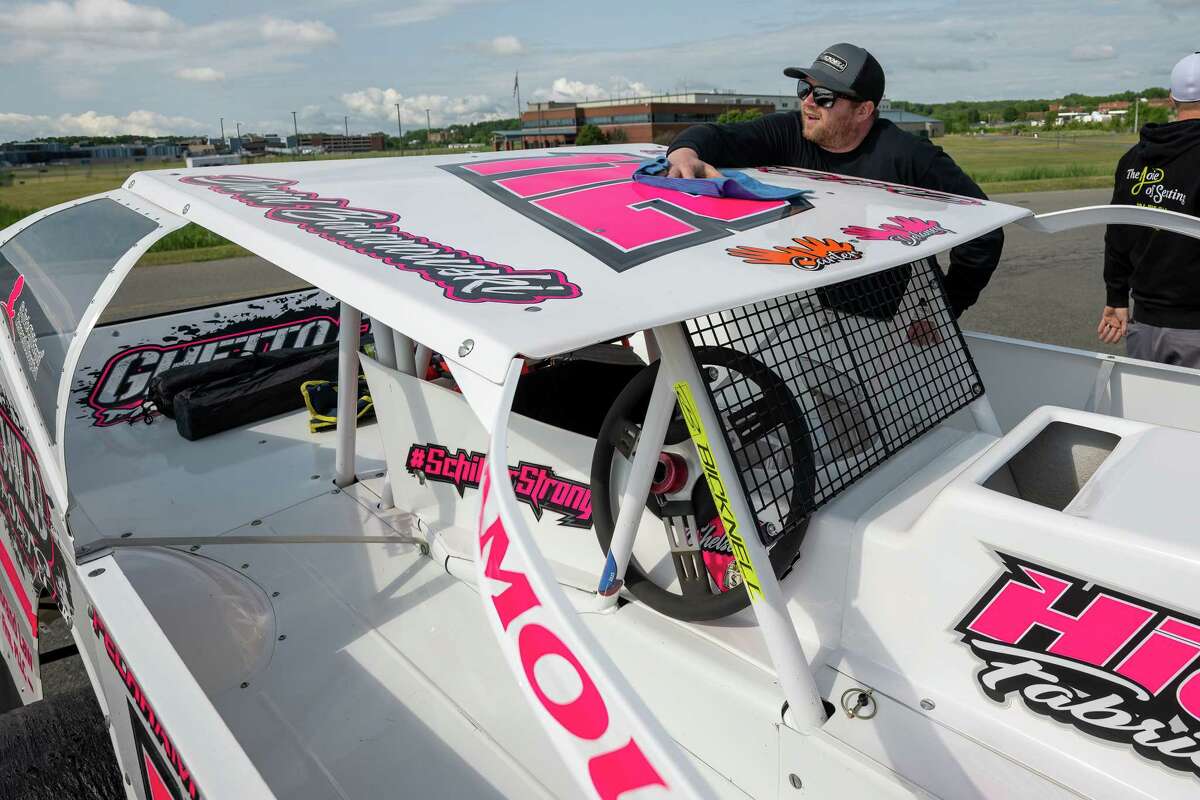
column 380, row 104
column 947, row 64
column 506, row 46
column 310, row 32
column 85, row 16
column 24, row 50
column 424, row 11
column 1093, row 52
column 91, row 123
column 73, row 42
column 569, row 91
column 200, row 74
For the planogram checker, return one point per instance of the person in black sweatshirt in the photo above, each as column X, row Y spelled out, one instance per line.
column 838, row 129
column 1161, row 269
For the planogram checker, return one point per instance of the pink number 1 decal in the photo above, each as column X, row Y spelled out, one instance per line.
column 592, row 200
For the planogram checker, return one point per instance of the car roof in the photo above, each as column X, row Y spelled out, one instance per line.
column 539, row 252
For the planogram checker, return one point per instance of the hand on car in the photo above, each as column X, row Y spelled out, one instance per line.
column 685, row 163
column 1114, row 322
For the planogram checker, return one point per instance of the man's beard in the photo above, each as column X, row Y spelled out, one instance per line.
column 830, row 135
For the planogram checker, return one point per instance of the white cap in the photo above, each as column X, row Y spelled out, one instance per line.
column 1185, row 79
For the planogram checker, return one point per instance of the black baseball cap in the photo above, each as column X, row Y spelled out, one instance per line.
column 847, row 69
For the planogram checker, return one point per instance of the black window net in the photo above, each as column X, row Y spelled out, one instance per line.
column 868, row 365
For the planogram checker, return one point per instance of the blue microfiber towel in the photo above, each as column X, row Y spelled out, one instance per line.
column 734, row 184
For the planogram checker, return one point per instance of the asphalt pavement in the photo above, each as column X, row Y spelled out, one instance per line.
column 1048, row 288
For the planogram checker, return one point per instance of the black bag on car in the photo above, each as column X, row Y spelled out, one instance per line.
column 163, row 388
column 203, row 409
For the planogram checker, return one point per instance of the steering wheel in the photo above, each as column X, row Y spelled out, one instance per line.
column 774, row 438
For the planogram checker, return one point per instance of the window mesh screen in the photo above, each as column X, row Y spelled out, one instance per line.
column 870, row 363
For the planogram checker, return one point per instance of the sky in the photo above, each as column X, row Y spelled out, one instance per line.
column 107, row 67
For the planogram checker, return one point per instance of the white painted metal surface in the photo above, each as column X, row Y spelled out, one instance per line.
column 581, row 299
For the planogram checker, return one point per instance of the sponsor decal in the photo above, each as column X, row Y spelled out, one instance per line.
column 832, row 60
column 1148, row 185
column 585, row 709
column 462, row 276
column 36, row 560
column 1112, row 665
column 718, row 556
column 156, row 781
column 149, row 718
column 591, row 200
column 808, row 253
column 22, row 327
column 907, row 191
column 910, row 231
column 18, row 642
column 118, row 391
column 11, row 306
column 716, row 486
column 27, row 338
column 536, row 485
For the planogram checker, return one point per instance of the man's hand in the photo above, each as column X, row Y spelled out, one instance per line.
column 1113, row 324
column 685, row 163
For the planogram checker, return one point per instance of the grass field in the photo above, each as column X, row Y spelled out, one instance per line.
column 1078, row 160
column 1022, row 163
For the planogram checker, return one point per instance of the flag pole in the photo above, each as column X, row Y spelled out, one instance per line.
column 517, row 95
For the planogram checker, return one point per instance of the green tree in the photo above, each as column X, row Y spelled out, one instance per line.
column 740, row 115
column 1011, row 114
column 589, row 135
column 618, row 136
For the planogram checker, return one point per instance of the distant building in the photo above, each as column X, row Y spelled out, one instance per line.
column 32, row 153
column 213, row 160
column 253, row 144
column 910, row 121
column 660, row 118
column 199, row 147
column 338, row 143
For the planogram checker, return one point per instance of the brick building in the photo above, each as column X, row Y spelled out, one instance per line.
column 657, row 118
column 337, row 143
column 660, row 118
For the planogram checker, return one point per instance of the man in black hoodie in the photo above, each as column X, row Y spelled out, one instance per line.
column 1161, row 269
column 838, row 129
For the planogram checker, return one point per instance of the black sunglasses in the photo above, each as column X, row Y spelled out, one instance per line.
column 825, row 98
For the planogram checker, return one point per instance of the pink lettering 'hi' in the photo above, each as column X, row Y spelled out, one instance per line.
column 543, row 182
column 1093, row 637
column 608, row 212
column 523, row 164
column 1162, row 655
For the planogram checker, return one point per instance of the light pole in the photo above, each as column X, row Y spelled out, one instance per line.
column 399, row 129
column 222, row 131
column 346, row 122
column 239, row 132
column 1137, row 106
column 296, row 129
column 427, row 142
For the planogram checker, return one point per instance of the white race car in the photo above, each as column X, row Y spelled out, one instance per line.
column 666, row 495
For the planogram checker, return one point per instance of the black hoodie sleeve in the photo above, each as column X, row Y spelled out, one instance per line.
column 972, row 263
column 770, row 139
column 1117, row 265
